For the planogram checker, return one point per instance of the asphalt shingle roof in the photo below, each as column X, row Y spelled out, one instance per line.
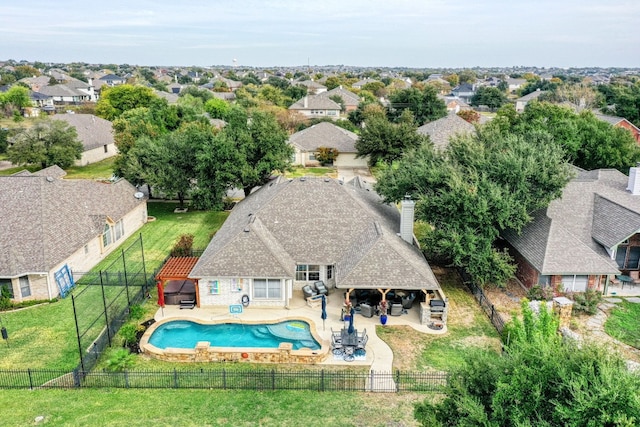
column 93, row 131
column 569, row 237
column 316, row 221
column 45, row 219
column 440, row 131
column 325, row 134
column 315, row 102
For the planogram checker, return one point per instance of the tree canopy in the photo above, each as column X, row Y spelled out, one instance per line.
column 116, row 100
column 541, row 380
column 386, row 142
column 13, row 100
column 492, row 97
column 46, row 143
column 482, row 184
column 424, row 104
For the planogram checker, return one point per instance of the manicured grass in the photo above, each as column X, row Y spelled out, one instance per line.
column 319, row 171
column 623, row 323
column 44, row 337
column 11, row 171
column 468, row 327
column 166, row 407
column 98, row 170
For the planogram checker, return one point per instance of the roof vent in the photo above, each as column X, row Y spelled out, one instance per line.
column 327, row 180
column 49, row 179
column 303, row 179
column 138, row 195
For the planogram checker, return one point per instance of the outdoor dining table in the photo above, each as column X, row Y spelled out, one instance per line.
column 349, row 339
column 624, row 279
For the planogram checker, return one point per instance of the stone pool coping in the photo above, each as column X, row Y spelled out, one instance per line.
column 203, row 352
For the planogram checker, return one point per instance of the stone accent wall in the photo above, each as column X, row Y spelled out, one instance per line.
column 562, row 307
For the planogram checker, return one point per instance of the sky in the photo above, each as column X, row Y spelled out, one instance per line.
column 264, row 33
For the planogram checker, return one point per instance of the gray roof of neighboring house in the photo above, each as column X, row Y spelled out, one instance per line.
column 111, row 77
column 60, row 90
column 350, row 99
column 171, row 98
column 227, row 96
column 609, row 119
column 46, row 219
column 324, row 134
column 569, row 237
column 440, row 131
column 533, row 95
column 93, row 131
column 283, row 223
column 310, row 84
column 316, row 102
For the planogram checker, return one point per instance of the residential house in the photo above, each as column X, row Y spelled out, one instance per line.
column 313, row 88
column 442, row 130
column 360, row 83
column 175, row 88
column 465, row 92
column 291, row 233
column 316, row 106
column 521, row 103
column 171, row 98
column 581, row 239
column 515, row 84
column 231, row 84
column 96, row 135
column 621, row 122
column 349, row 99
column 454, row 104
column 112, row 80
column 324, row 134
column 53, row 227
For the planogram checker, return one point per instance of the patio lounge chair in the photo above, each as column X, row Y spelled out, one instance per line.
column 396, row 309
column 308, row 291
column 321, row 288
column 366, row 310
column 635, row 275
column 407, row 302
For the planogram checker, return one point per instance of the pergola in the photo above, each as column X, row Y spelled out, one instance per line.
column 176, row 270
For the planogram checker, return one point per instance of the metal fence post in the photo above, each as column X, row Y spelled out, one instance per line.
column 126, row 281
column 75, row 318
column 106, row 316
column 175, row 378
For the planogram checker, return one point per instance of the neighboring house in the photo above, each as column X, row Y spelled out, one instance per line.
column 40, row 102
column 53, row 227
column 227, row 96
column 313, row 88
column 465, row 92
column 521, row 103
column 621, row 122
column 317, row 106
column 291, row 233
column 442, row 130
column 96, row 135
column 515, row 84
column 349, row 99
column 63, row 94
column 175, row 88
column 580, row 239
column 359, row 84
column 231, row 84
column 113, row 80
column 171, row 98
column 307, row 141
column 454, row 104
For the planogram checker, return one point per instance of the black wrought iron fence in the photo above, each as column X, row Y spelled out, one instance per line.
column 230, row 379
column 487, row 306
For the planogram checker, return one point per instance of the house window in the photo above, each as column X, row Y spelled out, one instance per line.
column 628, row 257
column 267, row 289
column 106, row 236
column 544, row 280
column 119, row 229
column 106, row 148
column 332, row 113
column 214, row 287
column 575, row 283
column 329, row 272
column 25, row 288
column 312, row 156
column 307, row 273
column 6, row 284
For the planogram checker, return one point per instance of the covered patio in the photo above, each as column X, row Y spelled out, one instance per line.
column 174, row 284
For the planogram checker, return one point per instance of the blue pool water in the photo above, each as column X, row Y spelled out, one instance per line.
column 186, row 334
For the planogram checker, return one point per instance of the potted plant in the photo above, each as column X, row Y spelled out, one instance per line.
column 346, row 310
column 383, row 311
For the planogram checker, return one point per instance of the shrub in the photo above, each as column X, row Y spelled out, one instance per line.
column 539, row 292
column 120, row 360
column 326, row 155
column 136, row 312
column 184, row 246
column 5, row 298
column 129, row 333
column 586, row 302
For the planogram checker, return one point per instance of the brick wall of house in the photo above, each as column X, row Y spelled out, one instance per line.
column 525, row 272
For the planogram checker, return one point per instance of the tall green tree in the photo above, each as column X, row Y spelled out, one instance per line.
column 116, row 100
column 15, row 99
column 217, row 108
column 386, row 142
column 481, row 185
column 492, row 97
column 423, row 104
column 46, row 143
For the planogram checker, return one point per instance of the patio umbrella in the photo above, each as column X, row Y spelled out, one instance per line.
column 160, row 296
column 324, row 311
column 351, row 329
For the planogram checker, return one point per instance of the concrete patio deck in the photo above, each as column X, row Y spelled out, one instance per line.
column 379, row 356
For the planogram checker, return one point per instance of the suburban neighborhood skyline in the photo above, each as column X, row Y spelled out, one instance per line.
column 406, row 33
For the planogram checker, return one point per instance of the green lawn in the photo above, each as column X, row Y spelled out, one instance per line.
column 98, row 170
column 167, row 407
column 11, row 171
column 623, row 323
column 44, row 336
column 319, row 171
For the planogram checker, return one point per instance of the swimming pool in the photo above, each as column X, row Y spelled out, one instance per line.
column 187, row 334
column 186, row 339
